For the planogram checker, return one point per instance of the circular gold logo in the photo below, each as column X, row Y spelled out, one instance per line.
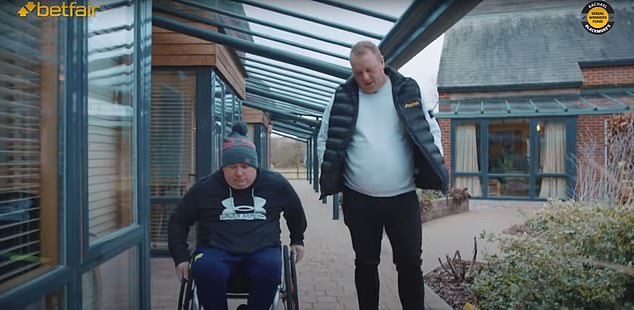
column 597, row 17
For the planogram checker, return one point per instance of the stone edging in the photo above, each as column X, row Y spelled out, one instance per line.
column 441, row 208
column 433, row 301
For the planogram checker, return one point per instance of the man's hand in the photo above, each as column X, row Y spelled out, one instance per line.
column 299, row 252
column 182, row 270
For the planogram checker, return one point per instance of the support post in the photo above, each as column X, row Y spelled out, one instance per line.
column 315, row 164
column 335, row 206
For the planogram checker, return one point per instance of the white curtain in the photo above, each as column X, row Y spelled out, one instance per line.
column 467, row 158
column 553, row 160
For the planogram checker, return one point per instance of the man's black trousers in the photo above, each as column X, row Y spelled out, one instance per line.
column 366, row 217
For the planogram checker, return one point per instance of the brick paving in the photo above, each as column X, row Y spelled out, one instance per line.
column 326, row 274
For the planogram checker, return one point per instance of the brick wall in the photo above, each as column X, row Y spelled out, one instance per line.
column 590, row 140
column 445, row 128
column 591, row 130
column 612, row 76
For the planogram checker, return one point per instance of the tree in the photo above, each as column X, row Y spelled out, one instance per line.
column 287, row 153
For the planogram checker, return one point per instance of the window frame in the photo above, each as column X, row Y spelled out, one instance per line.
column 533, row 171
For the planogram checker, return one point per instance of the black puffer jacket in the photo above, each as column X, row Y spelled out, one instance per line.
column 430, row 172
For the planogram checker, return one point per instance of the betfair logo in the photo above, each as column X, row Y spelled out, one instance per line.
column 70, row 9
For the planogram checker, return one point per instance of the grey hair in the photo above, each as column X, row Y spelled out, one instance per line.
column 362, row 47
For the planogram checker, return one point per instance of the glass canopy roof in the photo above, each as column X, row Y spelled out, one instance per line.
column 295, row 52
column 592, row 103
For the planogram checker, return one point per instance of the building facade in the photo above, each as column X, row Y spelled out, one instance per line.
column 525, row 95
column 74, row 101
column 105, row 122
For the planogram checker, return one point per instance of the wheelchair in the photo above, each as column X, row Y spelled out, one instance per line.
column 286, row 297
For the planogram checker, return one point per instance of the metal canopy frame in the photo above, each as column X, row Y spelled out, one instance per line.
column 281, row 114
column 327, row 86
column 311, row 19
column 421, row 24
column 264, row 23
column 284, row 134
column 600, row 102
column 278, row 127
column 292, row 127
column 163, row 9
column 290, row 94
column 283, row 106
column 281, row 82
column 356, row 9
column 330, row 79
column 282, row 90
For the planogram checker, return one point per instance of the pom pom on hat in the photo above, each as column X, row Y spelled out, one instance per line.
column 239, row 128
column 238, row 149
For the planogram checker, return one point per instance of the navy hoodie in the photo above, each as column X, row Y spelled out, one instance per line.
column 237, row 221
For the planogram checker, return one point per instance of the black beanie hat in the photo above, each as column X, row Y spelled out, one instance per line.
column 237, row 149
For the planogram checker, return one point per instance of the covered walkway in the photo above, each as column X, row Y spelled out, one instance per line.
column 326, row 275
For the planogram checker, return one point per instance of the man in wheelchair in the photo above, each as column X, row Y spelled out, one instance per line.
column 238, row 212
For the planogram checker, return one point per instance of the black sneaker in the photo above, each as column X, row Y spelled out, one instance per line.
column 242, row 307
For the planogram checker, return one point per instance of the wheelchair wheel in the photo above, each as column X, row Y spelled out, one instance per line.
column 187, row 298
column 291, row 300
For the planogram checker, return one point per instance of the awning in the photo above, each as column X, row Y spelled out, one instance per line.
column 598, row 102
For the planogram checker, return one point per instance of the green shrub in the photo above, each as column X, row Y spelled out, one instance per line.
column 574, row 256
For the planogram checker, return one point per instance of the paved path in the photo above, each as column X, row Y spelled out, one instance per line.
column 326, row 275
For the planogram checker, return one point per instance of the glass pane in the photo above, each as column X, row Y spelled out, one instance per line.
column 520, row 106
column 30, row 79
column 237, row 109
column 172, row 133
column 228, row 110
column 551, row 187
column 113, row 284
column 218, row 119
column 509, row 146
column 111, row 119
column 625, row 98
column 575, row 104
column 159, row 216
column 467, row 148
column 470, row 106
column 446, row 106
column 494, row 106
column 251, row 132
column 602, row 102
column 508, row 186
column 547, row 105
column 264, row 147
column 51, row 302
column 551, row 150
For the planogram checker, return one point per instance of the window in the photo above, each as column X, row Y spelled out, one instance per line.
column 172, row 135
column 50, row 302
column 509, row 158
column 551, row 154
column 524, row 158
column 172, row 146
column 237, row 109
column 229, row 112
column 113, row 284
column 218, row 119
column 468, row 158
column 508, row 146
column 111, row 119
column 30, row 79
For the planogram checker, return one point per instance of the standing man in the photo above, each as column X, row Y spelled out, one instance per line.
column 378, row 143
column 238, row 213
